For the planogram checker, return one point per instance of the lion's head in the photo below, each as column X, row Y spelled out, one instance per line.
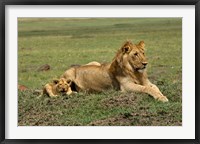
column 132, row 57
column 62, row 85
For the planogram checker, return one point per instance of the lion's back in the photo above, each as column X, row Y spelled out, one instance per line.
column 90, row 77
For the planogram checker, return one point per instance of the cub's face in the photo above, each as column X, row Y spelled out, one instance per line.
column 62, row 85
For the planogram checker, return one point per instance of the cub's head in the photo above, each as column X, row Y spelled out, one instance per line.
column 62, row 85
column 133, row 56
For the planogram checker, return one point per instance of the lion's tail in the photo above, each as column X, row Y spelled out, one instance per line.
column 75, row 65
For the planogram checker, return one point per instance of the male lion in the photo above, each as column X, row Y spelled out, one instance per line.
column 57, row 87
column 126, row 72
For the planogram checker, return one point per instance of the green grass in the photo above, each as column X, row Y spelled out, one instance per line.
column 61, row 42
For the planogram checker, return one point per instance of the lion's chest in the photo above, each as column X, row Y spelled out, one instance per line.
column 127, row 79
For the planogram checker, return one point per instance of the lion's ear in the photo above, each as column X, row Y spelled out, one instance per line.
column 55, row 81
column 141, row 44
column 126, row 49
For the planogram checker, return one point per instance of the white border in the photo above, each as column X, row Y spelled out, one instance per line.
column 187, row 131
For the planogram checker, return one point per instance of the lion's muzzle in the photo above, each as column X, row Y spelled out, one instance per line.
column 144, row 63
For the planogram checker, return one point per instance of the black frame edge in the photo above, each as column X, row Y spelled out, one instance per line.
column 197, row 59
column 2, row 73
column 89, row 2
column 101, row 141
column 101, row 2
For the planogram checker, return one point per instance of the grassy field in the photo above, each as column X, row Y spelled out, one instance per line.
column 61, row 42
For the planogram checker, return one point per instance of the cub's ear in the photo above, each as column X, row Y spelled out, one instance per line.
column 55, row 81
column 69, row 81
column 141, row 44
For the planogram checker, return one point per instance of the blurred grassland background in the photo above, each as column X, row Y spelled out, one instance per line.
column 61, row 42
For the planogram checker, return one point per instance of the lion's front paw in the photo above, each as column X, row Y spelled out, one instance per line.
column 163, row 99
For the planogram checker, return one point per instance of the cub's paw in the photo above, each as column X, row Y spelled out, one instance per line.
column 163, row 99
column 53, row 96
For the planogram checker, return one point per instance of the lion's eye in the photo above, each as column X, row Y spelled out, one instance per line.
column 136, row 54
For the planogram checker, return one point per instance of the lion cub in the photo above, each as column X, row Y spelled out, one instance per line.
column 60, row 86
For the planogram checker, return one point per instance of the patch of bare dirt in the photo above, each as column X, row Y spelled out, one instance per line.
column 111, row 121
column 121, row 100
column 142, row 118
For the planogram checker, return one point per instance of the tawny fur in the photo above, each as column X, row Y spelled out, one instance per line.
column 126, row 72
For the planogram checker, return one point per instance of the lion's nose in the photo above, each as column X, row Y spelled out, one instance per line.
column 144, row 63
